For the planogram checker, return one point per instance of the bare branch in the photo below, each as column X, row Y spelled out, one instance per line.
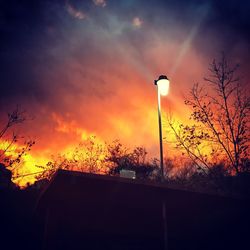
column 223, row 111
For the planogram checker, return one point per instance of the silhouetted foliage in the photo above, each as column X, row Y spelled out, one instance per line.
column 122, row 158
column 51, row 167
column 89, row 156
column 93, row 157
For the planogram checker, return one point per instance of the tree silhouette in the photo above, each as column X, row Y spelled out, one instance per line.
column 88, row 156
column 91, row 156
column 10, row 153
column 221, row 115
column 122, row 158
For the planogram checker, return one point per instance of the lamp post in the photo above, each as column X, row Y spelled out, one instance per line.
column 162, row 89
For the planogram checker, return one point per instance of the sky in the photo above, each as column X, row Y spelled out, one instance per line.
column 87, row 67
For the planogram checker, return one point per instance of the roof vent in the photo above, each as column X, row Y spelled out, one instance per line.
column 127, row 174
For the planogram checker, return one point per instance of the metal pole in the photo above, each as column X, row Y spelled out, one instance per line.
column 165, row 228
column 160, row 134
column 164, row 216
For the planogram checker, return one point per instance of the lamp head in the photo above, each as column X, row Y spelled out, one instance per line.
column 162, row 84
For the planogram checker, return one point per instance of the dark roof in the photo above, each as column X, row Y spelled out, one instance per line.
column 65, row 179
column 82, row 203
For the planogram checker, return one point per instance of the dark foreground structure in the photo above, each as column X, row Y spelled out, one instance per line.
column 85, row 211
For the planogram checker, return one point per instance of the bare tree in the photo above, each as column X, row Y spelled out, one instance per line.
column 221, row 116
column 10, row 153
column 47, row 171
column 122, row 158
column 89, row 156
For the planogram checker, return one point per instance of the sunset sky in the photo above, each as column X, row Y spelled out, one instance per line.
column 87, row 67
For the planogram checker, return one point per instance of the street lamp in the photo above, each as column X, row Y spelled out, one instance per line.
column 162, row 89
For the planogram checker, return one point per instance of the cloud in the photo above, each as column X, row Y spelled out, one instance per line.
column 137, row 22
column 74, row 12
column 101, row 3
